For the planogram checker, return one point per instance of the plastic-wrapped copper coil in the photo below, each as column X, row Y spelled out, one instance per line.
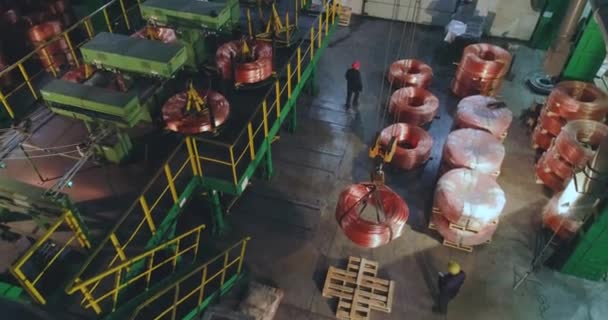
column 481, row 70
column 564, row 226
column 574, row 100
column 371, row 233
column 467, row 197
column 178, row 119
column 232, row 64
column 165, row 35
column 545, row 176
column 414, row 105
column 413, row 145
column 410, row 72
column 579, row 139
column 473, row 149
column 484, row 113
column 78, row 74
column 550, row 123
column 540, row 139
column 463, row 237
column 558, row 165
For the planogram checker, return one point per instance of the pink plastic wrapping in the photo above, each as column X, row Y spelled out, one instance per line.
column 473, row 149
column 480, row 112
column 463, row 237
column 565, row 227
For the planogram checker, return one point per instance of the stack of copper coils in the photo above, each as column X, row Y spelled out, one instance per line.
column 564, row 225
column 252, row 68
column 473, row 149
column 569, row 100
column 481, row 70
column 371, row 232
column 467, row 206
column 414, row 105
column 484, row 113
column 165, row 35
column 413, row 145
column 410, row 73
column 55, row 54
column 573, row 148
column 179, row 119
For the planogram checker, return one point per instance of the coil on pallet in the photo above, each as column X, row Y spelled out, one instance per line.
column 414, row 105
column 463, row 237
column 473, row 149
column 410, row 72
column 545, row 176
column 550, row 123
column 564, row 226
column 232, row 64
column 481, row 70
column 541, row 140
column 484, row 113
column 178, row 119
column 371, row 233
column 575, row 100
column 467, row 197
column 414, row 145
column 579, row 139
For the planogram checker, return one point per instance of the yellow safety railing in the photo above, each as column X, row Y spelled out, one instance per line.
column 196, row 287
column 113, row 281
column 25, row 75
column 234, row 158
column 30, row 282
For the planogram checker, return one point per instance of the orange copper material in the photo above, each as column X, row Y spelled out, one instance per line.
column 579, row 139
column 564, row 226
column 414, row 105
column 178, row 119
column 481, row 70
column 484, row 113
column 390, row 217
column 575, row 100
column 463, row 237
column 541, row 140
column 51, row 56
column 545, row 176
column 253, row 68
column 413, row 145
column 410, row 72
column 560, row 167
column 78, row 75
column 550, row 123
column 473, row 149
column 165, row 35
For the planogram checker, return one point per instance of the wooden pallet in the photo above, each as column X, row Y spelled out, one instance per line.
column 344, row 16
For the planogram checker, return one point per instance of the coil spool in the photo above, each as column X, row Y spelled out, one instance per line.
column 551, row 124
column 463, row 237
column 481, row 70
column 178, row 119
column 368, row 233
column 473, row 149
column 413, row 145
column 576, row 100
column 541, row 139
column 484, row 113
column 410, row 72
column 564, row 226
column 579, row 139
column 232, row 65
column 556, row 164
column 545, row 176
column 414, row 105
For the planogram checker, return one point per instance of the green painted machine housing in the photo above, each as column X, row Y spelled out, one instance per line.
column 548, row 24
column 588, row 55
column 211, row 15
column 133, row 55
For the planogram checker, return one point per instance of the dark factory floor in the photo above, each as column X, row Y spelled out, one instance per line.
column 291, row 218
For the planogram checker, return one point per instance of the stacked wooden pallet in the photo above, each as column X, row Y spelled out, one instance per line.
column 358, row 289
column 344, row 16
column 466, row 226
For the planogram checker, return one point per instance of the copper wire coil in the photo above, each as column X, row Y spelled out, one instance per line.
column 414, row 105
column 51, row 56
column 413, row 145
column 564, row 226
column 178, row 119
column 164, row 35
column 557, row 164
column 473, row 149
column 78, row 74
column 56, row 28
column 575, row 100
column 541, row 140
column 579, row 139
column 464, row 85
column 371, row 233
column 545, row 176
column 463, row 237
column 248, row 70
column 485, row 60
column 480, row 112
column 468, row 197
column 552, row 124
column 410, row 72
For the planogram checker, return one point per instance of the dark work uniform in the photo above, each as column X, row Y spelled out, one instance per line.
column 353, row 86
column 449, row 285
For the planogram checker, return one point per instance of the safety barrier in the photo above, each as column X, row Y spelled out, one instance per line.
column 30, row 271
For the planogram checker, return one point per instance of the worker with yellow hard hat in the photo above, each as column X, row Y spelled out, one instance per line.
column 449, row 285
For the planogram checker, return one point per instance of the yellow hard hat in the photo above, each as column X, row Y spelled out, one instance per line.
column 453, row 267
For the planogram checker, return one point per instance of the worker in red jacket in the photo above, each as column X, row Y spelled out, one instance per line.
column 449, row 285
column 353, row 84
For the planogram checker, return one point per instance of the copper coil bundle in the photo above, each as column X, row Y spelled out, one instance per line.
column 558, row 165
column 481, row 70
column 541, row 139
column 463, row 237
column 575, row 100
column 545, row 176
column 473, row 149
column 484, row 113
column 178, row 119
column 579, row 139
column 55, row 54
column 371, row 233
column 563, row 225
column 78, row 74
column 164, row 35
column 414, row 105
column 550, row 123
column 467, row 197
column 410, row 72
column 413, row 145
column 250, row 68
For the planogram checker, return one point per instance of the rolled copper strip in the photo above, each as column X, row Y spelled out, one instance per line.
column 410, row 72
column 179, row 120
column 551, row 124
column 545, row 176
column 414, row 105
column 557, row 164
column 371, row 233
column 564, row 226
column 463, row 237
column 484, row 113
column 413, row 145
column 575, row 100
column 473, row 149
column 579, row 139
column 541, row 140
column 248, row 70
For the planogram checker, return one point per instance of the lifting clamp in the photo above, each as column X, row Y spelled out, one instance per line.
column 381, row 155
column 197, row 104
